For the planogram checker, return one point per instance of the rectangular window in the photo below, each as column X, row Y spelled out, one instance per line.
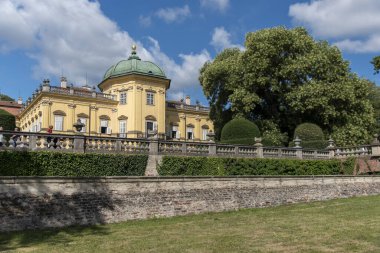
column 34, row 127
column 39, row 124
column 204, row 134
column 174, row 132
column 190, row 134
column 104, row 126
column 150, row 127
column 58, row 123
column 150, row 98
column 122, row 128
column 123, row 98
column 83, row 121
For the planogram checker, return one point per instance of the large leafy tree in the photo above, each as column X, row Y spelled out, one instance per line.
column 287, row 77
column 376, row 64
column 375, row 94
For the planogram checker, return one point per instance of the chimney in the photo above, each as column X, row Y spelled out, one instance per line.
column 19, row 101
column 63, row 82
column 187, row 100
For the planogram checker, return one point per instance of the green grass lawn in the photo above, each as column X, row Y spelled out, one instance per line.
column 348, row 225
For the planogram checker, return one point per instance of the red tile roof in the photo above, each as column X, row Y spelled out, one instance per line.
column 10, row 106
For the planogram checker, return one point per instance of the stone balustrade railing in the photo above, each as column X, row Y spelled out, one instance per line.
column 88, row 144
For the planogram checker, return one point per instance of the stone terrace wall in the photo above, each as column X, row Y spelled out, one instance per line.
column 29, row 203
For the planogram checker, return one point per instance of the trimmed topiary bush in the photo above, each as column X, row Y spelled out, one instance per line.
column 25, row 163
column 311, row 136
column 212, row 166
column 240, row 131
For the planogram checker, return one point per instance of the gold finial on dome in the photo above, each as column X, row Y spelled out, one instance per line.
column 133, row 53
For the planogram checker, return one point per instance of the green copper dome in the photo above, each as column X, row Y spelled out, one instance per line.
column 134, row 65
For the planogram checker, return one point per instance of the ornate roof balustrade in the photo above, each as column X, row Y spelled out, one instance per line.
column 80, row 92
column 182, row 106
column 72, row 91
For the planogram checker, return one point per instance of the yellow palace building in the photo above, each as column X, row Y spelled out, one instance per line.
column 132, row 103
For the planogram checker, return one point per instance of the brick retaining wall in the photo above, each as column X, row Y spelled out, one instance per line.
column 29, row 203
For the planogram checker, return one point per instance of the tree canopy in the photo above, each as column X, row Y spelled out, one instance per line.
column 4, row 97
column 376, row 64
column 287, row 77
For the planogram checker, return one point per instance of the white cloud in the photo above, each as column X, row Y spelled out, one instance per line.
column 75, row 37
column 145, row 21
column 184, row 75
column 355, row 25
column 221, row 39
column 220, row 5
column 176, row 14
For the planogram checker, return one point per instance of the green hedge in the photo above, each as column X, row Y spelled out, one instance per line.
column 24, row 163
column 202, row 166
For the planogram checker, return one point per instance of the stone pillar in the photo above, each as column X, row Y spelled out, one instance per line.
column 32, row 142
column 297, row 142
column 331, row 148
column 184, row 148
column 153, row 147
column 212, row 149
column 118, row 146
column 375, row 146
column 259, row 148
column 236, row 150
column 79, row 144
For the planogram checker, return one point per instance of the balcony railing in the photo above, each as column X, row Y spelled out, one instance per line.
column 89, row 144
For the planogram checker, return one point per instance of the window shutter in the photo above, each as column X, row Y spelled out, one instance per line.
column 178, row 135
column 109, row 130
column 154, row 126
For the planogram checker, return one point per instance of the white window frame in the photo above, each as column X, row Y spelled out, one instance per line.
column 150, row 98
column 39, row 126
column 122, row 128
column 189, row 130
column 204, row 134
column 104, row 124
column 154, row 125
column 175, row 132
column 123, row 98
column 58, row 122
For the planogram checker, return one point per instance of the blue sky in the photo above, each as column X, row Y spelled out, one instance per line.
column 45, row 38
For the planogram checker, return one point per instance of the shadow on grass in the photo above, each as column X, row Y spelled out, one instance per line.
column 54, row 236
column 88, row 204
